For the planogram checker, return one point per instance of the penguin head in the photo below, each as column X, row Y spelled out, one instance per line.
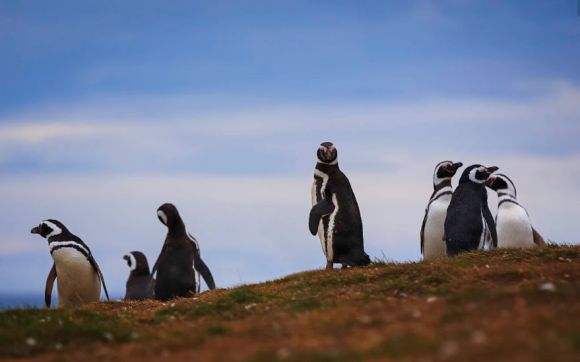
column 327, row 153
column 49, row 228
column 501, row 184
column 445, row 170
column 477, row 174
column 136, row 261
column 168, row 214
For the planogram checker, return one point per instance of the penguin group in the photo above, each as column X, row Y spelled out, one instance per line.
column 179, row 266
column 461, row 221
column 455, row 222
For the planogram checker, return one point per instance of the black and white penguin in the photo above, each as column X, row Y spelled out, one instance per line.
column 179, row 264
column 140, row 284
column 468, row 217
column 78, row 275
column 432, row 243
column 514, row 229
column 335, row 214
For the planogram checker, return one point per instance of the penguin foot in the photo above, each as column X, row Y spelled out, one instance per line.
column 344, row 266
column 329, row 265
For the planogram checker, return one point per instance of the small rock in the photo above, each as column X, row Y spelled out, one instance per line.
column 364, row 319
column 109, row 336
column 172, row 305
column 486, row 266
column 478, row 337
column 548, row 287
column 449, row 348
column 567, row 276
column 134, row 335
column 416, row 314
column 31, row 342
column 431, row 299
column 58, row 346
column 249, row 306
column 283, row 353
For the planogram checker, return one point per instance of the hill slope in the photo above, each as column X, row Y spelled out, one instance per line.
column 516, row 305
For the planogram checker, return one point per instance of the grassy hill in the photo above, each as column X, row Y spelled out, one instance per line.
column 503, row 305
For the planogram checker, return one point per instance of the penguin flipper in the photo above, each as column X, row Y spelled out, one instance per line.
column 156, row 265
column 538, row 239
column 423, row 232
column 49, row 283
column 324, row 207
column 99, row 274
column 202, row 269
column 490, row 223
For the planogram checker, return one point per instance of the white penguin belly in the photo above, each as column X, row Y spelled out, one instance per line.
column 77, row 281
column 433, row 244
column 513, row 227
column 320, row 233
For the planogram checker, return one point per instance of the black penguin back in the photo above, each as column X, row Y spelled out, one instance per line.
column 464, row 224
column 175, row 274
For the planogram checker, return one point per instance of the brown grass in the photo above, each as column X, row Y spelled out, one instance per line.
column 476, row 307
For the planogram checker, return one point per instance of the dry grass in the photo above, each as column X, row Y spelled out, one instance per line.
column 504, row 305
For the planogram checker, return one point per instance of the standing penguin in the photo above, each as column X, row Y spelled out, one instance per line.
column 78, row 275
column 468, row 216
column 140, row 283
column 179, row 264
column 514, row 229
column 335, row 215
column 432, row 243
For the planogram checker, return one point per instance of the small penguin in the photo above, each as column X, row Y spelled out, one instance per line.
column 335, row 214
column 468, row 217
column 78, row 275
column 179, row 264
column 514, row 229
column 432, row 243
column 140, row 284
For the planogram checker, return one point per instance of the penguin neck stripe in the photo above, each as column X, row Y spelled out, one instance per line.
column 473, row 178
column 509, row 200
column 55, row 245
column 443, row 183
column 55, row 229
column 133, row 261
column 335, row 162
column 442, row 192
column 324, row 178
column 506, row 194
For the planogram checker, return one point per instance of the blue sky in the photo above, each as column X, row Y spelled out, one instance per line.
column 109, row 109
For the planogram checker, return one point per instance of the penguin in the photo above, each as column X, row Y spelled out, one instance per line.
column 432, row 243
column 335, row 215
column 140, row 284
column 78, row 275
column 179, row 264
column 514, row 229
column 468, row 217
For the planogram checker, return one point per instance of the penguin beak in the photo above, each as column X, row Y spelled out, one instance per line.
column 492, row 169
column 35, row 230
column 456, row 165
